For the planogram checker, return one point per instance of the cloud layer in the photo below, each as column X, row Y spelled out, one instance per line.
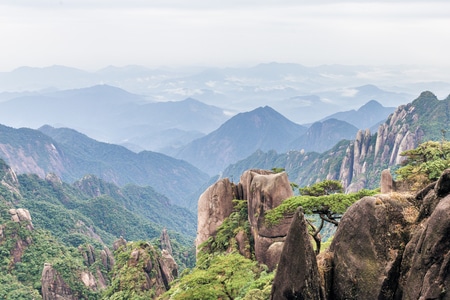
column 93, row 34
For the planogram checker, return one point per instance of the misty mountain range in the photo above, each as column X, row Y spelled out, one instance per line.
column 34, row 97
column 302, row 94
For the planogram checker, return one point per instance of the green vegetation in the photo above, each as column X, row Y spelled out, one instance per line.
column 221, row 271
column 67, row 218
column 322, row 199
column 224, row 240
column 20, row 276
column 336, row 204
column 223, row 276
column 326, row 187
column 132, row 272
column 424, row 164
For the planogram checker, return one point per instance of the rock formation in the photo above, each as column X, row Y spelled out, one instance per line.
column 21, row 215
column 214, row 205
column 53, row 286
column 368, row 246
column 145, row 269
column 297, row 274
column 263, row 191
column 388, row 246
column 165, row 241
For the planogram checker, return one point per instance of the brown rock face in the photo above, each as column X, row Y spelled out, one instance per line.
column 214, row 205
column 54, row 287
column 297, row 274
column 426, row 264
column 265, row 192
column 21, row 215
column 367, row 248
column 169, row 267
column 165, row 241
column 386, row 183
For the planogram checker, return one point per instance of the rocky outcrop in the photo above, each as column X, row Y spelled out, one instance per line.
column 53, row 286
column 426, row 264
column 368, row 247
column 297, row 274
column 214, row 205
column 121, row 242
column 91, row 256
column 263, row 190
column 21, row 215
column 388, row 246
column 144, row 270
column 164, row 240
column 169, row 268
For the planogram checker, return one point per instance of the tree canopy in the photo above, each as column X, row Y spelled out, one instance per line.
column 425, row 163
column 324, row 199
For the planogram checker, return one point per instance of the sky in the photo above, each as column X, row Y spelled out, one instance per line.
column 92, row 34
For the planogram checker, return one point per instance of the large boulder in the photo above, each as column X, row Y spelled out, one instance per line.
column 264, row 192
column 426, row 264
column 21, row 215
column 164, row 240
column 214, row 205
column 297, row 275
column 54, row 287
column 367, row 249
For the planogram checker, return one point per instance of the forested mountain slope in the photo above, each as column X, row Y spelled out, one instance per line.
column 72, row 155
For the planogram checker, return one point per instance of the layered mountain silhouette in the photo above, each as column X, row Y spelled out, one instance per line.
column 366, row 116
column 114, row 115
column 262, row 128
column 322, row 136
column 71, row 155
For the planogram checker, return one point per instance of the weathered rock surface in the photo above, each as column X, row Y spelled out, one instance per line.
column 54, row 287
column 169, row 268
column 389, row 246
column 165, row 241
column 426, row 264
column 121, row 242
column 21, row 215
column 214, row 205
column 387, row 184
column 297, row 274
column 368, row 246
column 265, row 192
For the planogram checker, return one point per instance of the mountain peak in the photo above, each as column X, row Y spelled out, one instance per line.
column 370, row 106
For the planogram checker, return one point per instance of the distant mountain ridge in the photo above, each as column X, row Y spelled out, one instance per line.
column 338, row 87
column 71, row 155
column 262, row 128
column 366, row 116
column 322, row 136
column 111, row 114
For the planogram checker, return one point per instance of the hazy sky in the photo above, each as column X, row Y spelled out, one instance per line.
column 91, row 34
